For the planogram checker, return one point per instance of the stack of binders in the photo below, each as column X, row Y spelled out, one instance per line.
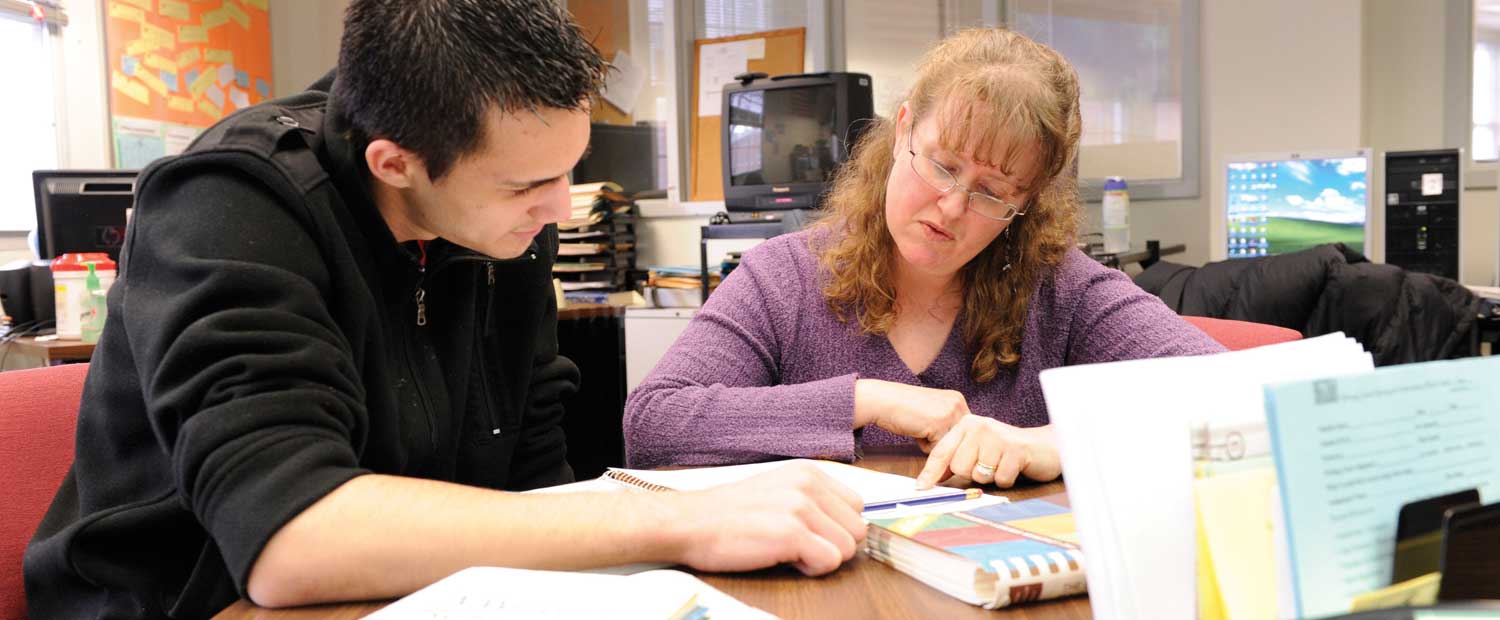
column 596, row 250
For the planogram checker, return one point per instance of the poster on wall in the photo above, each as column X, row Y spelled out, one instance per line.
column 177, row 66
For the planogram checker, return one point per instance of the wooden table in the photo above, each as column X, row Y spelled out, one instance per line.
column 862, row 588
column 27, row 352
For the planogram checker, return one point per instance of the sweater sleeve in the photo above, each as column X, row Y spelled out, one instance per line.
column 250, row 386
column 717, row 396
column 1113, row 319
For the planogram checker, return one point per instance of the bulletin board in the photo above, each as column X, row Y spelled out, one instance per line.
column 774, row 52
column 178, row 66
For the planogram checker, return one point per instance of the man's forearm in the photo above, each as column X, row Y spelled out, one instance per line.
column 380, row 536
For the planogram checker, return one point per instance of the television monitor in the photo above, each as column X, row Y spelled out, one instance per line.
column 784, row 137
column 1285, row 202
column 81, row 210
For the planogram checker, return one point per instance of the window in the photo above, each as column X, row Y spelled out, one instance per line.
column 887, row 38
column 1485, row 132
column 1137, row 61
column 33, row 107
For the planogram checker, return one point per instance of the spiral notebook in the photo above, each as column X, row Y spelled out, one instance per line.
column 880, row 491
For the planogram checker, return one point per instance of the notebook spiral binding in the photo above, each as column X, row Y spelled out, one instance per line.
column 632, row 480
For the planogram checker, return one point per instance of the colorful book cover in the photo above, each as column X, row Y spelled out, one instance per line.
column 1019, row 552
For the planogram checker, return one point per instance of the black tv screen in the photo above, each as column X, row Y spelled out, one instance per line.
column 782, row 136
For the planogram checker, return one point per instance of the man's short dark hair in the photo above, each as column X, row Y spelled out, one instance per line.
column 424, row 73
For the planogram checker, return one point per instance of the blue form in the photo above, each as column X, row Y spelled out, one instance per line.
column 264, row 88
column 242, row 79
column 128, row 65
column 170, row 79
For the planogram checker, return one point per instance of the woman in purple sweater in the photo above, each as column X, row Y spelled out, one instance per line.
column 924, row 306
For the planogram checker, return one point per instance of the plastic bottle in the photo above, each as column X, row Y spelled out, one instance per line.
column 69, row 275
column 1116, row 215
column 94, row 308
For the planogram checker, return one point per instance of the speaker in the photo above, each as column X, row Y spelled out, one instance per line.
column 43, row 298
column 15, row 292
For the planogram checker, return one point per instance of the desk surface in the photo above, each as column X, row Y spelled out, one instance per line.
column 862, row 588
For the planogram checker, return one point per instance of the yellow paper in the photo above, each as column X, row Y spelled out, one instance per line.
column 188, row 57
column 152, row 81
column 130, row 88
column 1210, row 601
column 205, row 79
column 144, row 4
column 192, row 34
column 160, row 63
column 160, row 37
column 180, row 104
column 1236, row 515
column 139, row 47
column 215, row 18
column 1059, row 526
column 174, row 9
column 126, row 12
column 258, row 4
column 210, row 109
column 222, row 57
column 1412, row 592
column 236, row 13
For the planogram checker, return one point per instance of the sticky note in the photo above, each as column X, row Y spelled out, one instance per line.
column 242, row 79
column 152, row 81
column 126, row 12
column 1432, row 184
column 263, row 88
column 189, row 78
column 192, row 34
column 145, row 5
column 188, row 57
column 130, row 88
column 128, row 65
column 218, row 56
column 174, row 9
column 180, row 104
column 257, row 4
column 216, row 95
column 160, row 63
column 210, row 109
column 240, row 98
column 234, row 12
column 160, row 37
column 201, row 83
column 214, row 19
column 225, row 75
column 170, row 79
column 139, row 47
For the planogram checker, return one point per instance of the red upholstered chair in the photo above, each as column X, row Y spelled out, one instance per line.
column 38, row 413
column 1237, row 335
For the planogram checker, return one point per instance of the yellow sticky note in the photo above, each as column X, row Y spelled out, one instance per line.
column 223, row 57
column 144, row 4
column 258, row 4
column 130, row 88
column 236, row 13
column 214, row 18
column 174, row 9
column 1210, row 601
column 152, row 81
column 160, row 63
column 118, row 10
column 139, row 47
column 180, row 104
column 1413, row 592
column 188, row 57
column 160, row 37
column 1236, row 518
column 210, row 109
column 192, row 34
column 205, row 79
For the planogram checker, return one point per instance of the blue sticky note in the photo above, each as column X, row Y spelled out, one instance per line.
column 242, row 79
column 128, row 65
column 263, row 88
column 189, row 77
column 170, row 79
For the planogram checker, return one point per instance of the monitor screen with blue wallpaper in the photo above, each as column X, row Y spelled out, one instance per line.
column 1293, row 201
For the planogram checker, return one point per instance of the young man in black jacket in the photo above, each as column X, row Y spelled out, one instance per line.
column 332, row 349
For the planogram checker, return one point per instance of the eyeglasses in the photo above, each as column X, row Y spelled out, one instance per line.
column 938, row 177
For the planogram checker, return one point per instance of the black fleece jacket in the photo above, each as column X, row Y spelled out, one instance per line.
column 263, row 347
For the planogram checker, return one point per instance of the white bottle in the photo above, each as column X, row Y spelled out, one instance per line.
column 1116, row 216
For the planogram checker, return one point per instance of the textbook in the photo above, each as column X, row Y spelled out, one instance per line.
column 993, row 556
column 880, row 491
column 490, row 592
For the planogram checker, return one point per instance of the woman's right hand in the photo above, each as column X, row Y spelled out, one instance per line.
column 924, row 414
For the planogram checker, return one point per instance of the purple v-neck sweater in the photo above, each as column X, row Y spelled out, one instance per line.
column 766, row 371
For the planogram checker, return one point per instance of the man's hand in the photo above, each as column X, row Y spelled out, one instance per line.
column 925, row 414
column 989, row 451
column 794, row 514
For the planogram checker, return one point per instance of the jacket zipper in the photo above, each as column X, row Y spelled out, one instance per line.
column 484, row 375
column 410, row 341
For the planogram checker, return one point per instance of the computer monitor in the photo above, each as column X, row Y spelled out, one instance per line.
column 624, row 154
column 784, row 137
column 81, row 210
column 1284, row 202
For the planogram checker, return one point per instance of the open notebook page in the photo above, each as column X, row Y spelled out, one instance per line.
column 876, row 488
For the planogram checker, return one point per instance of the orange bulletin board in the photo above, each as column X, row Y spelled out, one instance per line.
column 774, row 52
column 178, row 66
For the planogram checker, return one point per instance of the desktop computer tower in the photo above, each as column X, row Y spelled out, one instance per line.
column 1422, row 195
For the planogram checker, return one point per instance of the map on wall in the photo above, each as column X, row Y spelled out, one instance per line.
column 177, row 66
